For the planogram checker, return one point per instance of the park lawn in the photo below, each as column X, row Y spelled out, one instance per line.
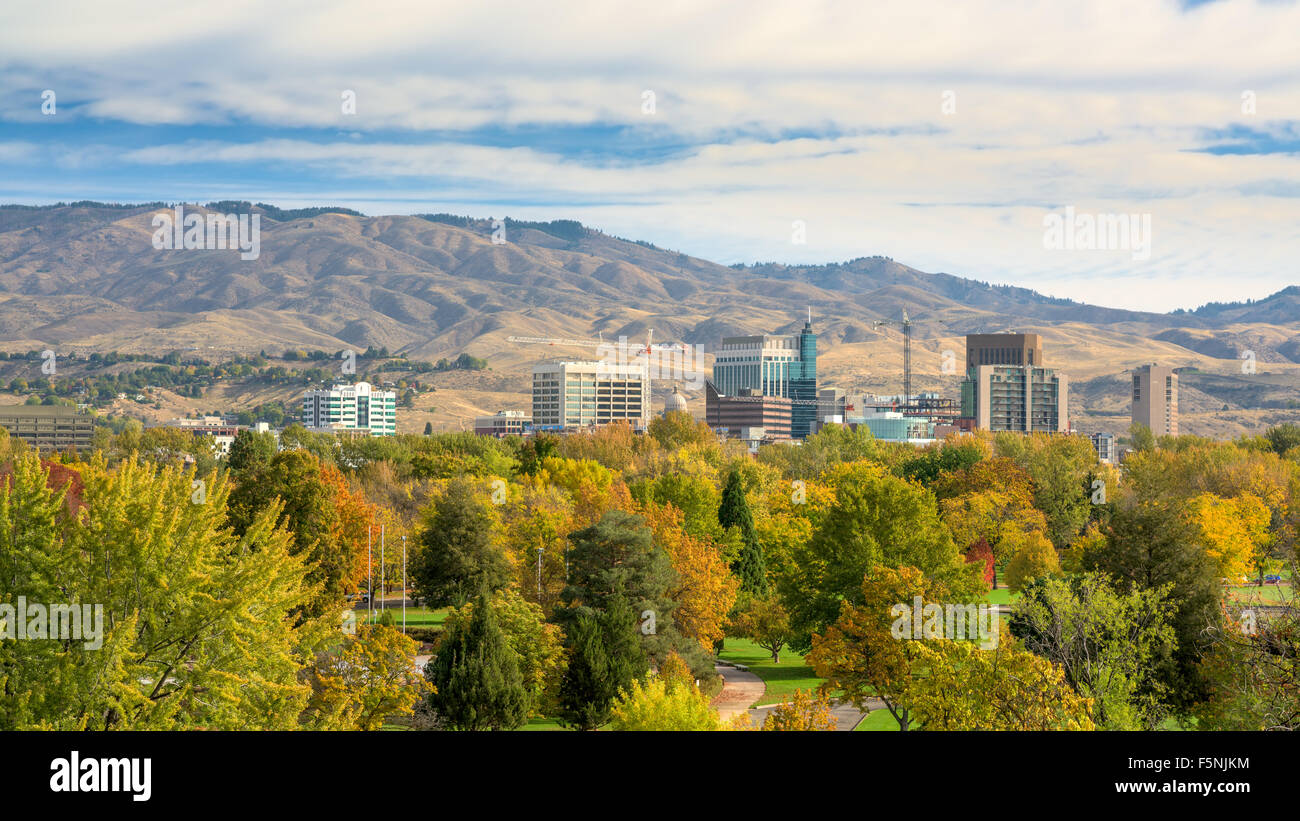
column 878, row 720
column 541, row 723
column 781, row 679
column 415, row 616
column 1268, row 594
column 1002, row 595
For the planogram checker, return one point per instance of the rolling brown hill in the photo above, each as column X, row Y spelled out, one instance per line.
column 86, row 277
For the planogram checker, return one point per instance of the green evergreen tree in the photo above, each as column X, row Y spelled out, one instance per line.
column 476, row 676
column 626, row 656
column 458, row 551
column 751, row 565
column 587, row 690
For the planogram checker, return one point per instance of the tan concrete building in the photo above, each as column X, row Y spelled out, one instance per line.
column 1155, row 399
column 1004, row 349
column 48, row 427
column 1017, row 398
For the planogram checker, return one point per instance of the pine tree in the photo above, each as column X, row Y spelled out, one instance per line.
column 751, row 565
column 477, row 676
column 627, row 659
column 586, row 692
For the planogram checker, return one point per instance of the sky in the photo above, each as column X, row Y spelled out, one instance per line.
column 949, row 136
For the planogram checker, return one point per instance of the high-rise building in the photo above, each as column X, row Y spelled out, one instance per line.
column 351, row 409
column 1155, row 399
column 773, row 365
column 1007, row 387
column 1016, row 398
column 1003, row 349
column 580, row 394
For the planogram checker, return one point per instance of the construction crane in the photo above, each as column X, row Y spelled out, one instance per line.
column 592, row 343
column 907, row 353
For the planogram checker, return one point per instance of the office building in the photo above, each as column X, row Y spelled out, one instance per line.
column 503, row 423
column 48, row 427
column 1017, row 398
column 583, row 394
column 1003, row 349
column 357, row 410
column 750, row 416
column 773, row 365
column 1008, row 388
column 1155, row 399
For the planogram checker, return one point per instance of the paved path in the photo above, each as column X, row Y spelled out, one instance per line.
column 740, row 688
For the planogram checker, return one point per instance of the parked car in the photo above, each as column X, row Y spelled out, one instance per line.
column 1272, row 578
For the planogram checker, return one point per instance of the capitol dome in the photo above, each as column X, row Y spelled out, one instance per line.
column 675, row 402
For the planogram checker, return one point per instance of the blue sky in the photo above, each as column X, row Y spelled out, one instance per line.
column 940, row 134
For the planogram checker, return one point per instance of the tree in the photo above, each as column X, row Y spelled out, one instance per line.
column 458, row 548
column 624, row 655
column 295, row 478
column 705, row 589
column 428, row 428
column 1107, row 643
column 1034, row 558
column 859, row 653
column 1005, row 688
column 475, row 675
column 369, row 678
column 1154, row 546
column 1283, row 439
column 250, row 451
column 537, row 644
column 658, row 704
column 877, row 519
column 186, row 605
column 804, row 712
column 734, row 511
column 766, row 623
column 586, row 692
column 1253, row 673
column 1141, row 437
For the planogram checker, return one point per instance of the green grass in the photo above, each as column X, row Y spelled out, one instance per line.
column 1002, row 595
column 879, row 720
column 541, row 723
column 781, row 679
column 415, row 616
column 1268, row 594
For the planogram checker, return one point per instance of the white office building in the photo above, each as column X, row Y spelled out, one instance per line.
column 357, row 409
column 582, row 394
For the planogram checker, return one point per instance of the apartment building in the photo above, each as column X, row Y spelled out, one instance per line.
column 48, row 427
column 1155, row 399
column 358, row 409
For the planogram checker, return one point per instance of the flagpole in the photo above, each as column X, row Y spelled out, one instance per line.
column 381, row 566
column 370, row 579
column 403, row 582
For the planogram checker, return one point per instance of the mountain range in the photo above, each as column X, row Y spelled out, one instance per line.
column 87, row 277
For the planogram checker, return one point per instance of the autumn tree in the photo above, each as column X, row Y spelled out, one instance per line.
column 802, row 713
column 765, row 622
column 877, row 519
column 366, row 680
column 1034, row 558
